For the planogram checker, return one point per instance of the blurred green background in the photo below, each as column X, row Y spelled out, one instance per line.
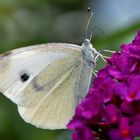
column 28, row 22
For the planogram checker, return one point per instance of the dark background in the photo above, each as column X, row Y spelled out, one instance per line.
column 28, row 22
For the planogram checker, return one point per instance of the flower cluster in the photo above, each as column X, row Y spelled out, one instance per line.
column 111, row 110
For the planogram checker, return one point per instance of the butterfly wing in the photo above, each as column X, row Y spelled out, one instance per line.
column 58, row 77
column 31, row 61
column 56, row 106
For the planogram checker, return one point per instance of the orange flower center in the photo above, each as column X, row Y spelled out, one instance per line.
column 125, row 133
column 132, row 95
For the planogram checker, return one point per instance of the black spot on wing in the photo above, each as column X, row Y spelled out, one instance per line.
column 24, row 77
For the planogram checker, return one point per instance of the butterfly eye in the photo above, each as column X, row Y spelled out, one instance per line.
column 24, row 77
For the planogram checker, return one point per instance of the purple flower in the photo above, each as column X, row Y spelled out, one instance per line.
column 135, row 131
column 136, row 41
column 112, row 114
column 86, row 115
column 111, row 109
column 83, row 133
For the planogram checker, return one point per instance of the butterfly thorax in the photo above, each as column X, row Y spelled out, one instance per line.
column 89, row 53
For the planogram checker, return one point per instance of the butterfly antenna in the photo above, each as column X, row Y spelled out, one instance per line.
column 91, row 35
column 90, row 16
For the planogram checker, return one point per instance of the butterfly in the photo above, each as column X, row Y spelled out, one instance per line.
column 47, row 81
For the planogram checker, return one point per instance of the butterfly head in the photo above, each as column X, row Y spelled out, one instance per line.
column 89, row 53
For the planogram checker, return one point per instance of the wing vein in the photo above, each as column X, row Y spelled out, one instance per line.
column 54, row 87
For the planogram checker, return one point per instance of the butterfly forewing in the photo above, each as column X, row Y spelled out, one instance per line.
column 31, row 61
column 47, row 80
column 55, row 108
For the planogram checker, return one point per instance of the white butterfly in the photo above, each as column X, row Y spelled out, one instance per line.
column 47, row 81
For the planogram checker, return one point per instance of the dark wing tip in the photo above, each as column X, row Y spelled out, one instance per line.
column 6, row 53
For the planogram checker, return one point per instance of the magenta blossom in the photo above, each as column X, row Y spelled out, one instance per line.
column 111, row 110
